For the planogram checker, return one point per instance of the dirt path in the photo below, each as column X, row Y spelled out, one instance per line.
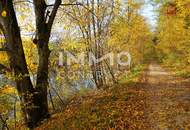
column 168, row 100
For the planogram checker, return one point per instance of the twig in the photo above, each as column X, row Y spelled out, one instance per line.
column 66, row 4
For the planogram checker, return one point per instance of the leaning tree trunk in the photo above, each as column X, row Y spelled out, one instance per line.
column 26, row 91
column 33, row 99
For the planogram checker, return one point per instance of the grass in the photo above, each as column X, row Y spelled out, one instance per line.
column 183, row 74
column 132, row 75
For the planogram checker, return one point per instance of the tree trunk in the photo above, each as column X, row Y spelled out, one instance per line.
column 33, row 100
column 44, row 24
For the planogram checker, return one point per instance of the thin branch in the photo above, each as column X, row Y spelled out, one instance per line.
column 72, row 4
column 53, row 13
column 66, row 4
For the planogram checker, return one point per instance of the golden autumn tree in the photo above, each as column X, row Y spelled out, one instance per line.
column 33, row 98
column 174, row 35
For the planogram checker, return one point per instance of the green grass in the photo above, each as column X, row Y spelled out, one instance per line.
column 183, row 74
column 133, row 74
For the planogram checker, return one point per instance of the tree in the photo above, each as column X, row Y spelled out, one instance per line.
column 93, row 19
column 173, row 36
column 33, row 98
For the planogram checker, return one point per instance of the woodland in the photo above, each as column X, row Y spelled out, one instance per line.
column 40, row 90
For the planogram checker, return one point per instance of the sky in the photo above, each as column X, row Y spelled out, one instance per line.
column 148, row 11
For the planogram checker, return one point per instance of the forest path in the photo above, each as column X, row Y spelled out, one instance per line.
column 167, row 100
column 158, row 101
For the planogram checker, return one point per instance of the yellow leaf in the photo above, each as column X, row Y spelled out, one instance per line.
column 4, row 13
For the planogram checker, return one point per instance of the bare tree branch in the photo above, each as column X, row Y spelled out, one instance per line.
column 53, row 13
column 66, row 4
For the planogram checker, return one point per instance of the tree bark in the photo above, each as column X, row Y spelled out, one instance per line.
column 43, row 30
column 43, row 52
column 34, row 101
column 18, row 64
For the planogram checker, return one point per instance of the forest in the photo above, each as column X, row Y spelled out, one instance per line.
column 94, row 65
